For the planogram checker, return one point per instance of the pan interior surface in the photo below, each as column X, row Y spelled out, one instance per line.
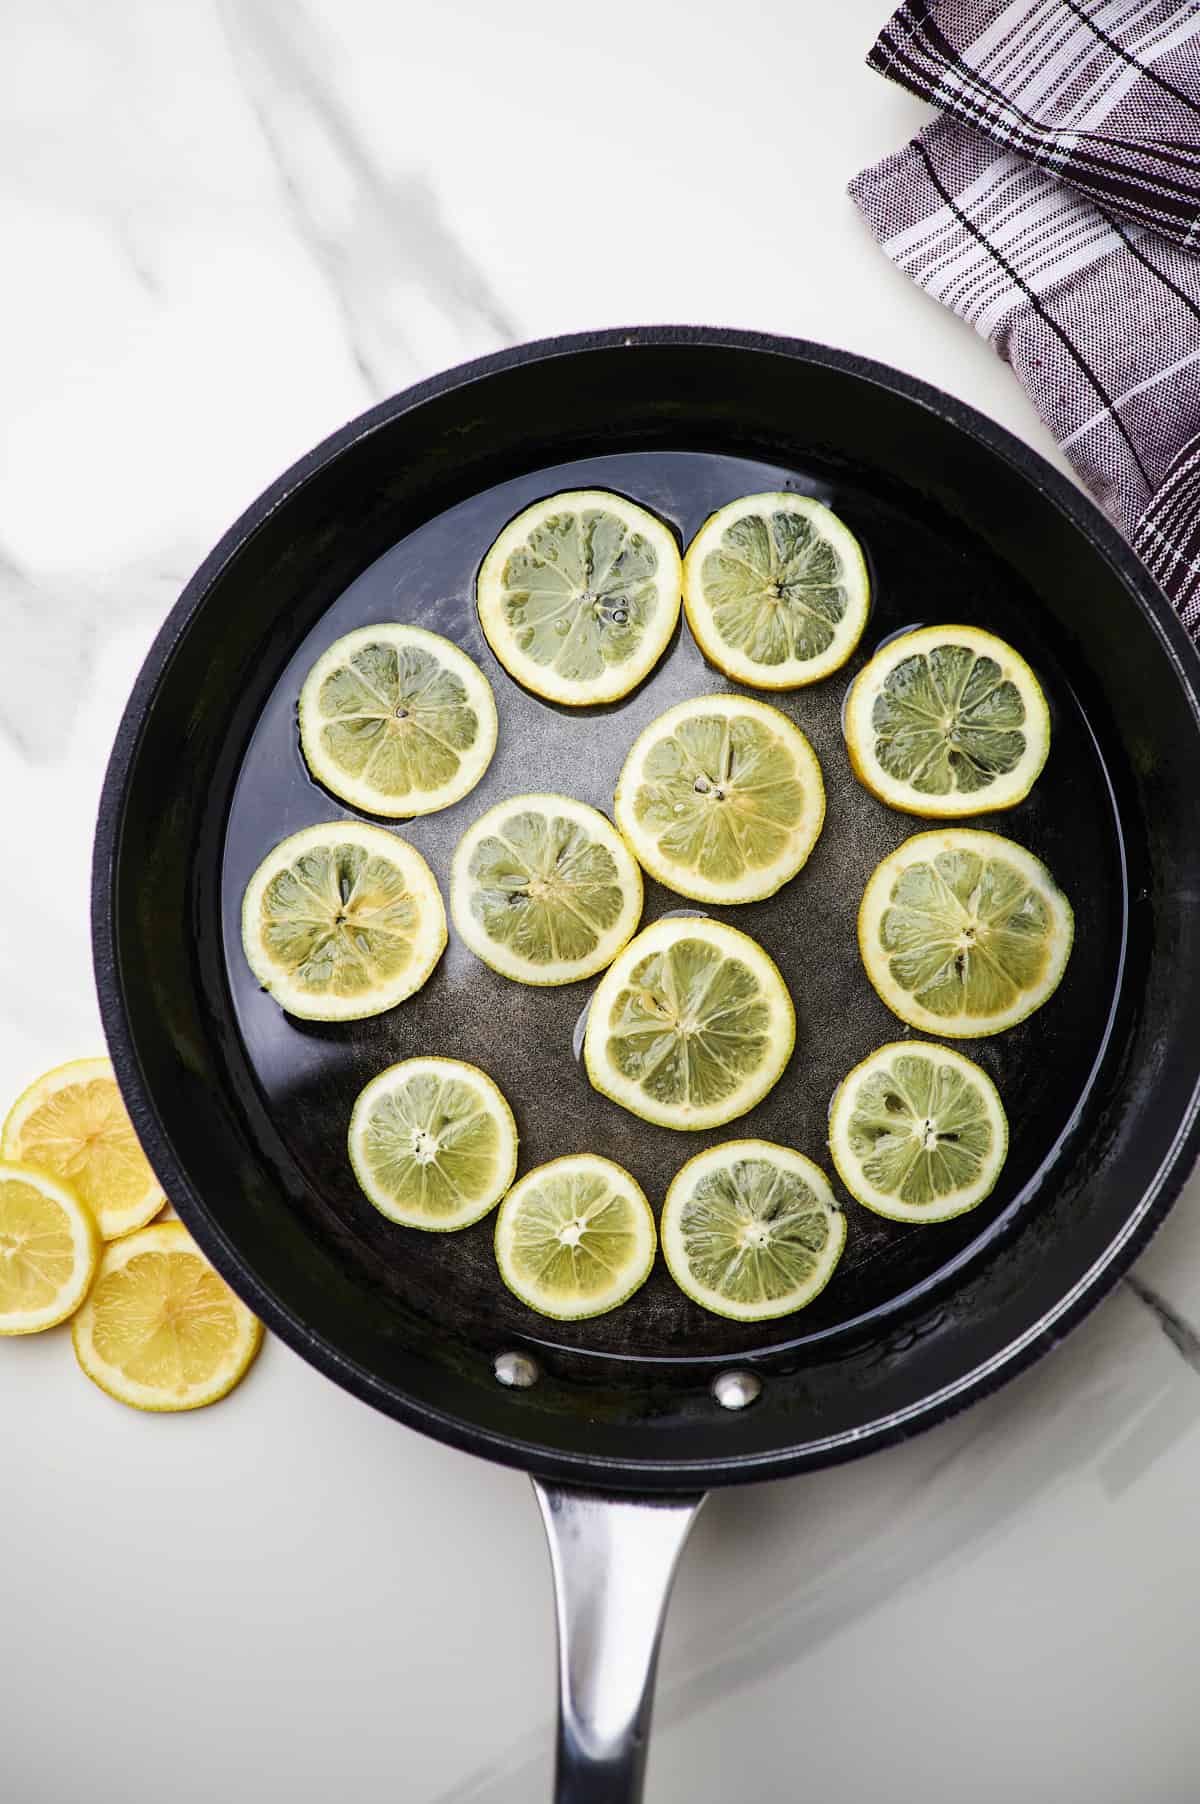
column 309, row 1074
column 244, row 1110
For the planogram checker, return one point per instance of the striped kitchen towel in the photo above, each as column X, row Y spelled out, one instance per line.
column 1055, row 204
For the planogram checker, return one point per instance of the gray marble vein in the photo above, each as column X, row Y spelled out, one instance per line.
column 129, row 240
column 1182, row 1336
column 382, row 241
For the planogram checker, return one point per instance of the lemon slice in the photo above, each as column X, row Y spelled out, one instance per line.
column 433, row 1143
column 73, row 1124
column 721, row 798
column 575, row 1237
column 160, row 1330
column 775, row 590
column 544, row 889
column 579, row 595
column 341, row 921
column 49, row 1250
column 690, row 1026
column 397, row 720
column 751, row 1230
column 917, row 1132
column 947, row 721
column 964, row 933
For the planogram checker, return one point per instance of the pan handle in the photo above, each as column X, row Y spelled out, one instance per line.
column 614, row 1559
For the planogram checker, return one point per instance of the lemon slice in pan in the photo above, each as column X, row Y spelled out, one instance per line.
column 579, row 596
column 341, row 921
column 433, row 1143
column 947, row 721
column 721, row 798
column 575, row 1238
column 918, row 1132
column 964, row 933
column 776, row 591
column 690, row 1026
column 544, row 889
column 397, row 720
column 751, row 1230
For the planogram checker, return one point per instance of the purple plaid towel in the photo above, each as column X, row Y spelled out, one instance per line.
column 1056, row 206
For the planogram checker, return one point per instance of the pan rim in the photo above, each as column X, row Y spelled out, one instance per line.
column 617, row 1473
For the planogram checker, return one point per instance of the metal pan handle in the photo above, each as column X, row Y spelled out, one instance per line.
column 614, row 1560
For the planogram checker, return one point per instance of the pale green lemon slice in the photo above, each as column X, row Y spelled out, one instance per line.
column 342, row 920
column 579, row 596
column 721, row 798
column 544, row 889
column 575, row 1238
column 49, row 1250
column 690, row 1026
column 397, row 720
column 776, row 590
column 918, row 1132
column 433, row 1143
column 964, row 933
column 751, row 1230
column 947, row 721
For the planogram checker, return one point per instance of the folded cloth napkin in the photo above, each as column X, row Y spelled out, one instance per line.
column 1055, row 204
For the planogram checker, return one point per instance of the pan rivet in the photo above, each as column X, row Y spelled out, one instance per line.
column 736, row 1390
column 517, row 1370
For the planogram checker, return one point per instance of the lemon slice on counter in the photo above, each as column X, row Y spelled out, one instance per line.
column 341, row 921
column 579, row 596
column 49, row 1250
column 945, row 721
column 776, row 590
column 397, row 720
column 544, row 889
column 73, row 1124
column 433, row 1143
column 575, row 1238
column 918, row 1132
column 160, row 1330
column 690, row 1026
column 721, row 798
column 751, row 1230
column 964, row 933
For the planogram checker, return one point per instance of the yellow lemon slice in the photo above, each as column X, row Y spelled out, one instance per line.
column 73, row 1124
column 49, row 1250
column 160, row 1330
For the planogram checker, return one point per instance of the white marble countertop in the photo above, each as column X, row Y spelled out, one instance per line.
column 227, row 228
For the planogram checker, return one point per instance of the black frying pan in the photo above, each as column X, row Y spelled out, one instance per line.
column 243, row 1111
